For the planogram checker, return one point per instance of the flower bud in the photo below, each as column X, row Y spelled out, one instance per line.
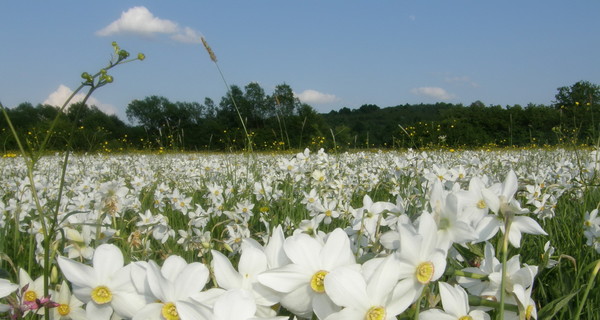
column 141, row 56
column 123, row 54
column 53, row 275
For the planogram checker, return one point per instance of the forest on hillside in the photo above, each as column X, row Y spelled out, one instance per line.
column 279, row 121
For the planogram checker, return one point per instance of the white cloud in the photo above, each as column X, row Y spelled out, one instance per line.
column 433, row 92
column 139, row 20
column 58, row 98
column 188, row 35
column 313, row 96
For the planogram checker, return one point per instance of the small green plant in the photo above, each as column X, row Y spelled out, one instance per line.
column 47, row 213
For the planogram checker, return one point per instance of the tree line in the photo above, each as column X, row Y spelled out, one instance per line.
column 280, row 121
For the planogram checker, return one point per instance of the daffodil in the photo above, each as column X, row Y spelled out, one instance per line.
column 106, row 286
column 32, row 294
column 421, row 261
column 367, row 295
column 302, row 282
column 236, row 304
column 69, row 307
column 488, row 265
column 168, row 286
column 6, row 288
column 253, row 261
column 501, row 201
column 452, row 227
column 515, row 275
column 456, row 306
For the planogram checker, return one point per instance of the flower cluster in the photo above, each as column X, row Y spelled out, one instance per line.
column 351, row 236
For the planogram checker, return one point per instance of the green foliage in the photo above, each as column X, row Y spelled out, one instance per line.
column 279, row 121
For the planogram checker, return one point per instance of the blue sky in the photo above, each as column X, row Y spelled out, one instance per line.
column 333, row 54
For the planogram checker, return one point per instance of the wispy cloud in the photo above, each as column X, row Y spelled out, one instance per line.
column 314, row 96
column 433, row 92
column 140, row 21
column 187, row 35
column 58, row 98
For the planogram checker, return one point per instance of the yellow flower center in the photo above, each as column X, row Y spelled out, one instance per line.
column 317, row 283
column 169, row 311
column 328, row 213
column 63, row 309
column 528, row 312
column 424, row 272
column 481, row 204
column 101, row 295
column 465, row 318
column 30, row 296
column 375, row 313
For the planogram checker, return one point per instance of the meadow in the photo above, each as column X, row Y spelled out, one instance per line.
column 310, row 234
column 505, row 234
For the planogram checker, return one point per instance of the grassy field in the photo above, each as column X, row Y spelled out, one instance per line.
column 375, row 235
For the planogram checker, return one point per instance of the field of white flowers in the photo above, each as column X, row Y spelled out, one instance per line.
column 365, row 235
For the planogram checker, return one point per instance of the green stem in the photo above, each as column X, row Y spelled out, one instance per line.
column 236, row 108
column 471, row 275
column 479, row 301
column 507, row 224
column 589, row 286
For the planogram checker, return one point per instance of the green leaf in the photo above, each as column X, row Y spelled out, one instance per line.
column 550, row 310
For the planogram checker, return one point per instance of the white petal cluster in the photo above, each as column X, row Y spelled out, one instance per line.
column 348, row 236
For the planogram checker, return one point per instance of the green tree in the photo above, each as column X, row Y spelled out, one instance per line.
column 579, row 105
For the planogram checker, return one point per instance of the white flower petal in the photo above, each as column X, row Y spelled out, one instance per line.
column 252, row 261
column 286, row 278
column 348, row 314
column 234, row 305
column 191, row 280
column 299, row 301
column 323, row 306
column 454, row 300
column 78, row 274
column 336, row 251
column 98, row 312
column 172, row 267
column 303, row 250
column 226, row 276
column 435, row 314
column 347, row 288
column 107, row 260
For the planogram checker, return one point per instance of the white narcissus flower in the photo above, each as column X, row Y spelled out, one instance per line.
column 488, row 265
column 500, row 199
column 456, row 306
column 35, row 288
column 6, row 288
column 236, row 305
column 527, row 309
column 69, row 307
column 515, row 275
column 369, row 295
column 369, row 216
column 421, row 261
column 253, row 261
column 168, row 286
column 105, row 286
column 302, row 281
column 452, row 228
